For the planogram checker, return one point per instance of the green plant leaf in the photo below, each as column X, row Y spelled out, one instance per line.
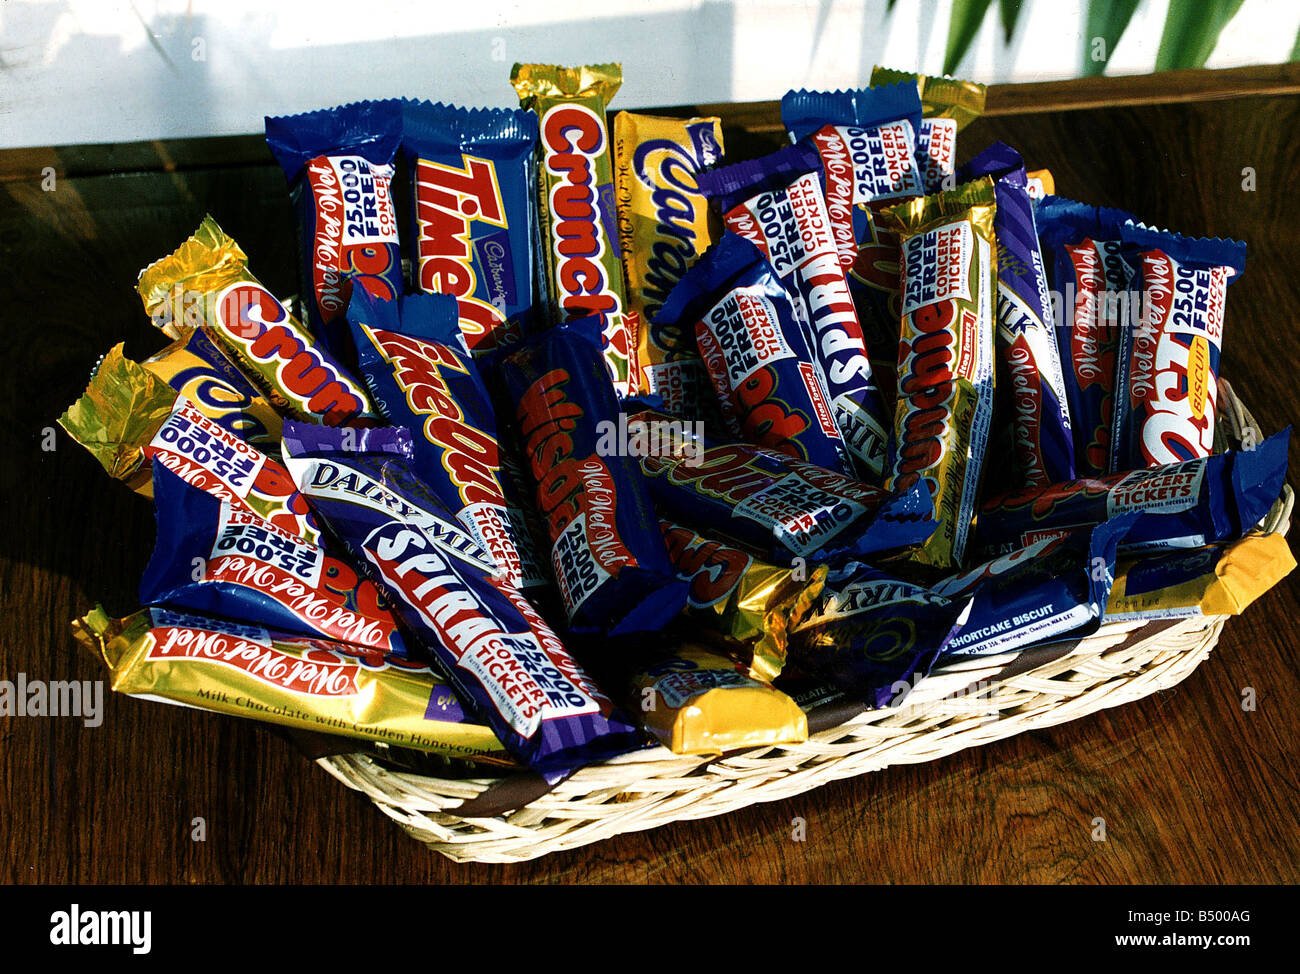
column 1107, row 19
column 963, row 25
column 1010, row 10
column 1192, row 28
column 1295, row 51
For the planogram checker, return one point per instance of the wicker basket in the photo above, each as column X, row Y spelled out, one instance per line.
column 960, row 704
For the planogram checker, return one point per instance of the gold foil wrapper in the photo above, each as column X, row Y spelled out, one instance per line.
column 310, row 684
column 962, row 101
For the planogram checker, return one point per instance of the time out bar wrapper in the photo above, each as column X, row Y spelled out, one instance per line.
column 743, row 598
column 1221, row 579
column 579, row 220
column 128, row 417
column 485, row 636
column 1167, row 375
column 698, row 702
column 776, row 202
column 948, row 106
column 744, row 323
column 414, row 360
column 249, row 569
column 472, row 231
column 664, row 223
column 312, row 684
column 339, row 165
column 945, row 356
column 206, row 283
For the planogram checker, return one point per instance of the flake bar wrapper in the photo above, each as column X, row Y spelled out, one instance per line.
column 1032, row 396
column 197, row 369
column 312, row 684
column 206, row 283
column 1221, row 579
column 1181, row 505
column 1167, row 375
column 948, row 106
column 1091, row 282
column 579, row 224
column 779, row 507
column 339, row 165
column 249, row 569
column 743, row 598
column 1054, row 588
column 697, row 702
column 414, row 360
column 127, row 417
column 471, row 233
column 664, row 223
column 745, row 325
column 485, row 636
column 874, row 636
column 945, row 357
column 777, row 203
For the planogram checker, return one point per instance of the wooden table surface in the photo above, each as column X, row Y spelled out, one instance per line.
column 1192, row 787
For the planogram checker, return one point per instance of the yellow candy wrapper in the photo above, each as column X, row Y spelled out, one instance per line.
column 664, row 224
column 206, row 284
column 948, row 106
column 1040, row 183
column 697, row 702
column 1221, row 579
column 310, row 684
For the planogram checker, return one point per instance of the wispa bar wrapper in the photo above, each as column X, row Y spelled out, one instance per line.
column 339, row 165
column 206, row 283
column 607, row 553
column 1181, row 505
column 128, row 417
column 413, row 357
column 945, row 357
column 485, row 636
column 1167, row 375
column 1086, row 270
column 746, row 327
column 311, row 684
column 781, row 508
column 249, row 569
column 1220, row 579
column 664, row 223
column 472, row 223
column 579, row 217
column 948, row 106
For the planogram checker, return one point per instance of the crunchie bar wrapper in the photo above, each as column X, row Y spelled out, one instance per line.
column 949, row 106
column 206, row 283
column 128, row 417
column 664, row 223
column 579, row 222
column 945, row 356
column 472, row 185
column 313, row 684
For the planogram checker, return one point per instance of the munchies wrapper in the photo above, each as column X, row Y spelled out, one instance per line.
column 697, row 702
column 777, row 506
column 486, row 637
column 128, row 417
column 741, row 597
column 945, row 356
column 339, row 165
column 664, row 223
column 949, row 106
column 579, row 225
column 1180, row 505
column 1221, row 579
column 312, row 684
column 472, row 193
column 744, row 323
column 249, row 569
column 777, row 203
column 206, row 283
column 1167, row 375
column 414, row 360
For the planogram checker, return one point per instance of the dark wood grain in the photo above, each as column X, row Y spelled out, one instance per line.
column 1192, row 787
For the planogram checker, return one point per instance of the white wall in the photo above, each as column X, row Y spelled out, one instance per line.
column 75, row 71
